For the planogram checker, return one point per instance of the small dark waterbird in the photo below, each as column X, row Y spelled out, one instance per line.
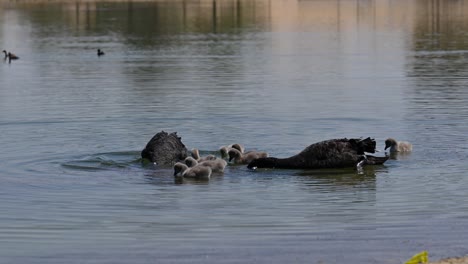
column 10, row 56
column 100, row 52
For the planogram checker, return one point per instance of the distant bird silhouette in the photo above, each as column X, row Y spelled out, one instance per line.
column 10, row 56
column 100, row 52
column 334, row 153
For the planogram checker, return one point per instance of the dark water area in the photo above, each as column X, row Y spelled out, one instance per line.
column 275, row 76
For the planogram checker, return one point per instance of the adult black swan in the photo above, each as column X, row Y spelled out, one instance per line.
column 165, row 149
column 333, row 153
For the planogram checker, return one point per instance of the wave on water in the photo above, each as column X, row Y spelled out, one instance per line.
column 105, row 161
column 114, row 160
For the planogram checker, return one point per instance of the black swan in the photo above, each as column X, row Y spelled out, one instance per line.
column 100, row 52
column 165, row 149
column 334, row 153
column 398, row 146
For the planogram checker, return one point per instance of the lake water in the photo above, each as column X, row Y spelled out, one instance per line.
column 272, row 75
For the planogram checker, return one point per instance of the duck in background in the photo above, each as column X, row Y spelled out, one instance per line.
column 10, row 56
column 100, row 52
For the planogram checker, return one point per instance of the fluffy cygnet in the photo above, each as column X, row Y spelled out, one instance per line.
column 196, row 156
column 245, row 158
column 398, row 146
column 224, row 150
column 197, row 172
column 216, row 165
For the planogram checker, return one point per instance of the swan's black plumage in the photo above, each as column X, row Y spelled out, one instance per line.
column 333, row 153
column 165, row 149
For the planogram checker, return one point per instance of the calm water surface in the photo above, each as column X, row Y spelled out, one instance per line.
column 273, row 75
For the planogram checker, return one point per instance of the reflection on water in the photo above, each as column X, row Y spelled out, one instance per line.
column 400, row 155
column 273, row 75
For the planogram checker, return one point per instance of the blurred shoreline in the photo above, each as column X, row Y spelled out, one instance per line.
column 456, row 260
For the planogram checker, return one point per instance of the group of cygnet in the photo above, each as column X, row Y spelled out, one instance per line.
column 198, row 167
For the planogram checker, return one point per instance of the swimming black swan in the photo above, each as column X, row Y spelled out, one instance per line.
column 100, row 52
column 334, row 153
column 398, row 146
column 165, row 149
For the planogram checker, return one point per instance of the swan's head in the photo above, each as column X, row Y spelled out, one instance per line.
column 190, row 162
column 234, row 154
column 223, row 151
column 147, row 154
column 390, row 142
column 238, row 146
column 179, row 169
column 195, row 154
